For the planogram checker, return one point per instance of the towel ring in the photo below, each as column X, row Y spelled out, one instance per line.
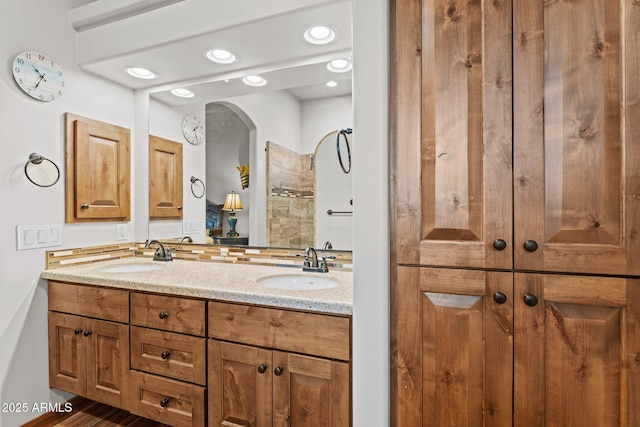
column 41, row 171
column 197, row 187
column 344, row 133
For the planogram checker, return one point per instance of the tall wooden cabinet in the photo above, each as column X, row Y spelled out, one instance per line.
column 515, row 130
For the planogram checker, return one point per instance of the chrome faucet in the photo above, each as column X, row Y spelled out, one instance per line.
column 312, row 264
column 187, row 239
column 160, row 254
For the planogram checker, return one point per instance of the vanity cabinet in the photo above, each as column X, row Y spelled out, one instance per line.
column 257, row 377
column 515, row 157
column 98, row 171
column 165, row 178
column 89, row 342
column 168, row 359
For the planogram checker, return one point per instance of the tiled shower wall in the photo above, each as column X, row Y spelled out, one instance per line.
column 290, row 198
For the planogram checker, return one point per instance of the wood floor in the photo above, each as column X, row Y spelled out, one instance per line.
column 87, row 413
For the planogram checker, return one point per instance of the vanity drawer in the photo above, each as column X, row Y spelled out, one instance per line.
column 90, row 301
column 178, row 356
column 309, row 333
column 169, row 313
column 168, row 401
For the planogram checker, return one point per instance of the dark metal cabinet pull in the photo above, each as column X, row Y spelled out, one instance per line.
column 278, row 371
column 77, row 331
column 163, row 314
column 84, row 206
column 164, row 402
column 499, row 244
column 499, row 297
column 530, row 246
column 165, row 354
column 88, row 332
column 262, row 368
column 530, row 300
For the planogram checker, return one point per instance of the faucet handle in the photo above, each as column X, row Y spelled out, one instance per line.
column 323, row 263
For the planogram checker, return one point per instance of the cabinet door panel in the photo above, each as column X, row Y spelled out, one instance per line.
column 107, row 362
column 98, row 171
column 240, row 394
column 576, row 156
column 452, row 159
column 165, row 178
column 576, row 355
column 67, row 362
column 311, row 392
column 452, row 354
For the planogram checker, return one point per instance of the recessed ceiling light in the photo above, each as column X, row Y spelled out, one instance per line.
column 254, row 80
column 141, row 73
column 221, row 56
column 182, row 93
column 320, row 34
column 332, row 83
column 339, row 66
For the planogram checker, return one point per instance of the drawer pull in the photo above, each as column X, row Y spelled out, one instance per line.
column 164, row 402
column 163, row 314
column 88, row 332
column 262, row 368
column 165, row 354
column 278, row 371
column 77, row 331
column 499, row 297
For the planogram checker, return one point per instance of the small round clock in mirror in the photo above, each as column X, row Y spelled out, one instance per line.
column 192, row 129
column 38, row 76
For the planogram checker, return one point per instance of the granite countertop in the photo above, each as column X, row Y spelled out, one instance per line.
column 220, row 281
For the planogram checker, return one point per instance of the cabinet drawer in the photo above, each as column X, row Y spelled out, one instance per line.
column 178, row 356
column 169, row 313
column 89, row 301
column 309, row 333
column 169, row 401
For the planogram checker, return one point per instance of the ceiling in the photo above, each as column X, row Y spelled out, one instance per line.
column 171, row 38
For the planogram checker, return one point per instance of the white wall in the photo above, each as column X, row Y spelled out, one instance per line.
column 29, row 126
column 371, row 218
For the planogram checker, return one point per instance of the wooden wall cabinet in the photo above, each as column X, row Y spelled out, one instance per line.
column 87, row 356
column 254, row 382
column 165, row 178
column 514, row 130
column 98, row 172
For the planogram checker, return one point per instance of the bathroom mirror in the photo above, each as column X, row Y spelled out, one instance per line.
column 296, row 111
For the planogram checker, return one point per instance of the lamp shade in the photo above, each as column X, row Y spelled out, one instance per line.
column 232, row 202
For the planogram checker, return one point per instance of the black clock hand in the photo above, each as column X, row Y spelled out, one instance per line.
column 37, row 71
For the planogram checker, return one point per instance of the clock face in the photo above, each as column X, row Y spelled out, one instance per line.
column 192, row 129
column 38, row 76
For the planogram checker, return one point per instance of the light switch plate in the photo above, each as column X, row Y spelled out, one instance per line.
column 38, row 236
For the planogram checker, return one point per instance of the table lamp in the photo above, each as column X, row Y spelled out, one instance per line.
column 232, row 203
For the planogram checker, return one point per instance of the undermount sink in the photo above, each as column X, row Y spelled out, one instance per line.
column 131, row 268
column 297, row 282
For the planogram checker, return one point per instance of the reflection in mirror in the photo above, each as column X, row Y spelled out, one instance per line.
column 292, row 212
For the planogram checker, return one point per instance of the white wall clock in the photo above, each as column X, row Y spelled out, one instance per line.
column 192, row 129
column 38, row 76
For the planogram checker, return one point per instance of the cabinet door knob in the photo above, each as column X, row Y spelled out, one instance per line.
column 88, row 332
column 530, row 300
column 84, row 206
column 165, row 354
column 164, row 402
column 530, row 246
column 262, row 368
column 163, row 314
column 499, row 297
column 77, row 331
column 499, row 244
column 179, row 208
column 278, row 371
